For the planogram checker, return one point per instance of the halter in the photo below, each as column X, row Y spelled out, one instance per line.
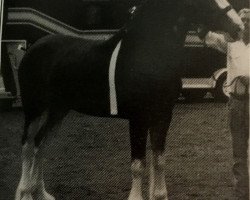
column 133, row 11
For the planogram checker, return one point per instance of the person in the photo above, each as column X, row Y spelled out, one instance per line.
column 6, row 68
column 238, row 64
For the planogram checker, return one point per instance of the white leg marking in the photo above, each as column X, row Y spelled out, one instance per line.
column 137, row 169
column 37, row 176
column 151, row 177
column 24, row 188
column 158, row 188
column 248, row 152
column 31, row 183
column 27, row 196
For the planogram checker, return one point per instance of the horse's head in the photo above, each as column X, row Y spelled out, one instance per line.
column 218, row 15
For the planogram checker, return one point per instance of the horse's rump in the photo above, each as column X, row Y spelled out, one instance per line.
column 63, row 68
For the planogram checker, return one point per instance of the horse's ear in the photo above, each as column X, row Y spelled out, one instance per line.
column 133, row 11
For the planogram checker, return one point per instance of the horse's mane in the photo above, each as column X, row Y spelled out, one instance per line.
column 159, row 7
column 144, row 10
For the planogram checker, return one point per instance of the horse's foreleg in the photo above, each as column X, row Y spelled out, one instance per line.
column 137, row 168
column 138, row 140
column 157, row 182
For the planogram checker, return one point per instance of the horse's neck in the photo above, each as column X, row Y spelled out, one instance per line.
column 159, row 34
column 158, row 21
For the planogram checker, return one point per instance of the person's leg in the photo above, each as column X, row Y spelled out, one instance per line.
column 7, row 73
column 239, row 127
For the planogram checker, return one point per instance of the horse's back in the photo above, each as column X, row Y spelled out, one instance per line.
column 56, row 45
column 49, row 53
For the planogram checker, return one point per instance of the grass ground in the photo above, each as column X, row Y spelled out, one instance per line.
column 90, row 158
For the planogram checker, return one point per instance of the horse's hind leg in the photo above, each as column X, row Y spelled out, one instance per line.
column 36, row 186
column 37, row 176
column 157, row 183
column 25, row 186
column 53, row 121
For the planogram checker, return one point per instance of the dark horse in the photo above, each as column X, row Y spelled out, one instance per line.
column 59, row 73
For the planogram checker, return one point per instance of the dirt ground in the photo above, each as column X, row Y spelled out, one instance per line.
column 89, row 159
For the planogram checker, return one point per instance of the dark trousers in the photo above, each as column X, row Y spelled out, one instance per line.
column 239, row 127
column 7, row 73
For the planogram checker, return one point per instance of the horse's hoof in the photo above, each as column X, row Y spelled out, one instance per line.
column 42, row 195
column 158, row 198
column 135, row 197
column 27, row 196
column 18, row 195
column 21, row 194
column 161, row 196
column 24, row 191
column 46, row 196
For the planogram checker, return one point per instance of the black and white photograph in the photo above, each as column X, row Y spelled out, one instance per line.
column 124, row 99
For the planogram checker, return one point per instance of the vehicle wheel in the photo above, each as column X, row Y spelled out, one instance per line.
column 220, row 93
column 5, row 105
column 195, row 95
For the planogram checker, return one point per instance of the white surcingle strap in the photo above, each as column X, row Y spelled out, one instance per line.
column 112, row 89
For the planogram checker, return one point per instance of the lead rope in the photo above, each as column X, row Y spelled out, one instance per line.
column 239, row 79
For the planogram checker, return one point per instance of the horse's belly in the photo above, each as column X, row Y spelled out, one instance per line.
column 88, row 97
column 147, row 94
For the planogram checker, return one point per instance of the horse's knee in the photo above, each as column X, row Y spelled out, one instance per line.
column 158, row 133
column 138, row 140
column 137, row 168
column 26, row 196
column 159, row 160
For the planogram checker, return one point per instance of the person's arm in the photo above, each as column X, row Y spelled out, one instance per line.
column 212, row 39
column 216, row 41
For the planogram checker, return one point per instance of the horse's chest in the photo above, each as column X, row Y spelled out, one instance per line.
column 97, row 88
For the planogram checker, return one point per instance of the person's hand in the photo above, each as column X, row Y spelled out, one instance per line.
column 241, row 34
column 202, row 32
column 229, row 38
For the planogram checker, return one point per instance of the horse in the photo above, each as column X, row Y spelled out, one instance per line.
column 59, row 73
